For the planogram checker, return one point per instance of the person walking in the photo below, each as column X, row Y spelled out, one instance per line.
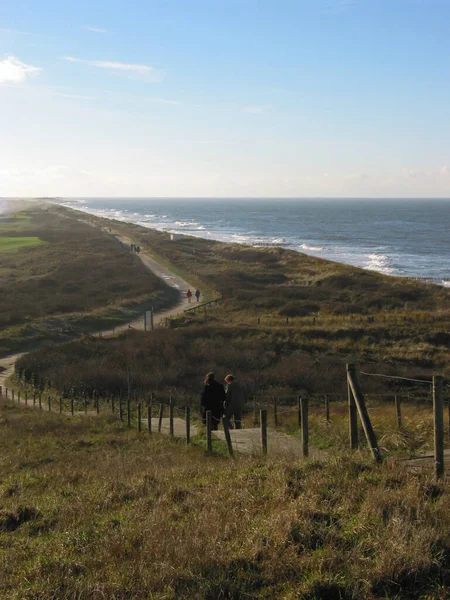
column 235, row 397
column 212, row 398
column 189, row 295
column 197, row 294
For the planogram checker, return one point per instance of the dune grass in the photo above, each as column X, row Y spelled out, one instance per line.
column 59, row 287
column 90, row 509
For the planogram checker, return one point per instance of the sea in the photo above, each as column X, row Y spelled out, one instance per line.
column 409, row 238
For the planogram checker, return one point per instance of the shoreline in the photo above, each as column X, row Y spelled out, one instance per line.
column 196, row 233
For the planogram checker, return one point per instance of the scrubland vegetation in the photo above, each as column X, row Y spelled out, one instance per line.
column 60, row 276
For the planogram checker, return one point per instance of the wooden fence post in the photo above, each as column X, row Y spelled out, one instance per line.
column 97, row 404
column 188, row 424
column 1, row 390
column 171, row 417
column 139, row 417
column 40, row 402
column 438, row 412
column 327, row 409
column 18, row 397
column 275, row 411
column 6, row 393
column 72, row 407
column 149, row 417
column 161, row 413
column 120, row 409
column 13, row 395
column 305, row 427
column 226, row 430
column 363, row 414
column 255, row 411
column 49, row 402
column 34, row 399
column 353, row 418
column 128, row 411
column 209, row 430
column 263, row 419
column 448, row 409
column 26, row 397
column 398, row 411
column 113, row 407
column 299, row 412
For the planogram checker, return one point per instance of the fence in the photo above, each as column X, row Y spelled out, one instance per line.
column 329, row 417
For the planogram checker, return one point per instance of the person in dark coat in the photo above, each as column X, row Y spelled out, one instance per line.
column 212, row 398
column 235, row 401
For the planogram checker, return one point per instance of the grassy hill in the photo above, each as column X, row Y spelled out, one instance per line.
column 61, row 276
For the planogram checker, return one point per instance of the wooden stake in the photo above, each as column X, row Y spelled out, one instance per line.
column 188, row 424
column 149, row 418
column 171, row 417
column 161, row 413
column 263, row 420
column 275, row 411
column 398, row 411
column 305, row 427
column 353, row 419
column 226, row 430
column 363, row 414
column 139, row 417
column 438, row 413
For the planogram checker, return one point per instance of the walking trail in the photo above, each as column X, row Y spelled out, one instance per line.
column 244, row 441
column 7, row 363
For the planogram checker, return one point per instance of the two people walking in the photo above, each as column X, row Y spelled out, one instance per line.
column 223, row 402
column 189, row 295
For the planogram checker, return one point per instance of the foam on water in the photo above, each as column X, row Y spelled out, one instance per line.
column 396, row 238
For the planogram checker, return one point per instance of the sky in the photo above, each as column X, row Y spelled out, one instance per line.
column 232, row 98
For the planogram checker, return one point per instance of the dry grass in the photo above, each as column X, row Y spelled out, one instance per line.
column 91, row 510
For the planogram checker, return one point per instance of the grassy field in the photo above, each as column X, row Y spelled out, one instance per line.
column 14, row 243
column 78, row 278
column 92, row 510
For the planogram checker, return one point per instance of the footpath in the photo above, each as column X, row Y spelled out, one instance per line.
column 244, row 441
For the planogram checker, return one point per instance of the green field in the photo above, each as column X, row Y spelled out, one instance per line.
column 14, row 243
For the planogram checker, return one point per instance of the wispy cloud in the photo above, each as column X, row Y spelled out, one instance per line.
column 71, row 96
column 143, row 71
column 94, row 29
column 13, row 70
column 260, row 109
column 15, row 31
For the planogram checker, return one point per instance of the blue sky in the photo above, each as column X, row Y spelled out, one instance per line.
column 245, row 98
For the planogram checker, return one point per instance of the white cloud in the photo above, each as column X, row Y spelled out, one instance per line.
column 15, row 31
column 145, row 71
column 94, row 29
column 13, row 70
column 260, row 109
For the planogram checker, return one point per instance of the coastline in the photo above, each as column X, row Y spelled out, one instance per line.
column 375, row 259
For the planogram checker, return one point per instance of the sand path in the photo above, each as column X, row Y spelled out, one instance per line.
column 7, row 363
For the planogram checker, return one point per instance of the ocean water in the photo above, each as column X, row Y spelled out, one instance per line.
column 409, row 238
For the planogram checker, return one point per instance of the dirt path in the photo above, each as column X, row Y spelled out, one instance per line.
column 7, row 363
column 248, row 441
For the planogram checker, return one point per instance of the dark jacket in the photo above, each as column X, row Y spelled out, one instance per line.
column 235, row 397
column 212, row 398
